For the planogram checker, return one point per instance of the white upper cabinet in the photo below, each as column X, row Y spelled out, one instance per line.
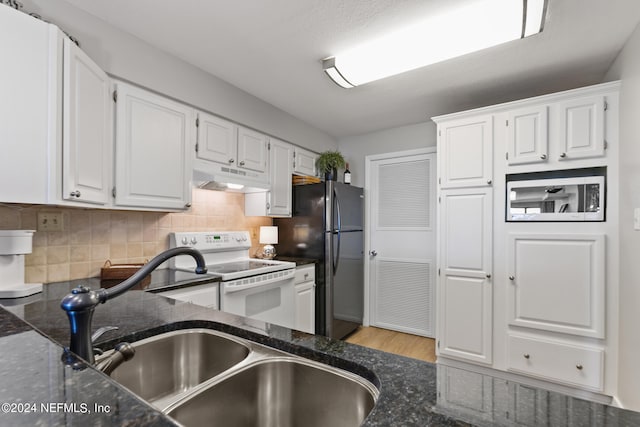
column 280, row 170
column 87, row 145
column 581, row 128
column 465, row 149
column 252, row 150
column 28, row 100
column 153, row 150
column 217, row 139
column 277, row 201
column 304, row 162
column 527, row 135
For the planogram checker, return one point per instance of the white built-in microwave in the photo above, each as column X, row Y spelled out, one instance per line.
column 572, row 198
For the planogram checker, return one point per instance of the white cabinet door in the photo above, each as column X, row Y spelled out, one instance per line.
column 280, row 170
column 305, row 307
column 557, row 282
column 217, row 139
column 304, row 162
column 527, row 135
column 465, row 149
column 581, row 128
column 153, row 150
column 252, row 150
column 465, row 285
column 27, row 102
column 87, row 145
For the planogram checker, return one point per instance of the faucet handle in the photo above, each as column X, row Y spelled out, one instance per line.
column 101, row 331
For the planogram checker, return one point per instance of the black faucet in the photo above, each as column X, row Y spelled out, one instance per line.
column 81, row 302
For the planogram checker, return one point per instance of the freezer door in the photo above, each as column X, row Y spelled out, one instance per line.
column 348, row 204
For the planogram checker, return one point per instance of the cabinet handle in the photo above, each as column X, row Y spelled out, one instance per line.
column 187, row 205
column 489, row 181
column 231, row 160
column 306, row 276
column 579, row 367
column 563, row 155
column 526, row 356
column 268, row 205
column 488, row 276
column 512, row 278
column 74, row 194
column 241, row 163
column 543, row 157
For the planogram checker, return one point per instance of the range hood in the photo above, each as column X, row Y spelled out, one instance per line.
column 219, row 177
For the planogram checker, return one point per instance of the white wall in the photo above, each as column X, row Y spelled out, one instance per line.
column 627, row 68
column 125, row 56
column 356, row 148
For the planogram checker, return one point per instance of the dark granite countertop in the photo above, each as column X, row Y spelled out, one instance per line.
column 412, row 393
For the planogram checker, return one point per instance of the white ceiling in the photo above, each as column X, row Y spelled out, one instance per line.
column 273, row 50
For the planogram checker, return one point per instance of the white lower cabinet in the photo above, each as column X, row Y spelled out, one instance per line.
column 557, row 282
column 570, row 364
column 305, row 290
column 154, row 143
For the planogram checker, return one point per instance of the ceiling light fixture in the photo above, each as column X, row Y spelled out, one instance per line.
column 479, row 25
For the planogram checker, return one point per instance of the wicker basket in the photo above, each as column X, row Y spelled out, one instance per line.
column 112, row 274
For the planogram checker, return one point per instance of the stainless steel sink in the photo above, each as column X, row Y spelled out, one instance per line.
column 280, row 391
column 167, row 365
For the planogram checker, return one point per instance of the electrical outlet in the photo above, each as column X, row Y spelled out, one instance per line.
column 50, row 221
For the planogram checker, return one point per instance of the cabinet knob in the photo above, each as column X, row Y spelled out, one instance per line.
column 373, row 253
column 187, row 205
column 268, row 205
column 526, row 356
column 579, row 367
column 512, row 278
column 563, row 155
column 231, row 160
column 543, row 156
column 241, row 163
column 306, row 276
column 489, row 181
column 488, row 276
column 75, row 193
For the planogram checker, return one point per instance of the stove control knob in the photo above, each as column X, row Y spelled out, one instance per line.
column 238, row 239
column 194, row 240
column 185, row 240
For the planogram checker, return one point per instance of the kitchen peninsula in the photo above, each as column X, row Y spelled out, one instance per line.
column 411, row 392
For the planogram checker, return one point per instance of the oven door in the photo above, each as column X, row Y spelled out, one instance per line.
column 267, row 298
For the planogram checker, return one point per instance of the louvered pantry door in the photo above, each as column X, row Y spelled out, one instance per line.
column 402, row 234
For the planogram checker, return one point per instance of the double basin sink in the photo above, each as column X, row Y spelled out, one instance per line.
column 200, row 376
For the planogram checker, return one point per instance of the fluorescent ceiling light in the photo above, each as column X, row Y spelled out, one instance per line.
column 479, row 25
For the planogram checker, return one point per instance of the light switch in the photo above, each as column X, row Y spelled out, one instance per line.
column 636, row 219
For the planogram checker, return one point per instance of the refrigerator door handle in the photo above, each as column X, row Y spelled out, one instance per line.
column 336, row 259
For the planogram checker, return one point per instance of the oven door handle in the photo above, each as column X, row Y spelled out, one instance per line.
column 228, row 289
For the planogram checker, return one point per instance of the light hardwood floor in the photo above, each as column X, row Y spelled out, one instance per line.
column 395, row 342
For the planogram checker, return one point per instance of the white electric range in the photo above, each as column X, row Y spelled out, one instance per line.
column 257, row 288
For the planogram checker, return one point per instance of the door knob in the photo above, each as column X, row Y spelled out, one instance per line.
column 373, row 253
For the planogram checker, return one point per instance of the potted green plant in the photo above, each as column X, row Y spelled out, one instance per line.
column 329, row 162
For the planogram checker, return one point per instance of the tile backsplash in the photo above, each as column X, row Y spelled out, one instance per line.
column 92, row 236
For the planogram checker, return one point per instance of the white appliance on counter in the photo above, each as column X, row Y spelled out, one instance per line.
column 14, row 245
column 256, row 288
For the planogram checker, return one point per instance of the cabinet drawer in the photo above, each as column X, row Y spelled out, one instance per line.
column 578, row 366
column 306, row 273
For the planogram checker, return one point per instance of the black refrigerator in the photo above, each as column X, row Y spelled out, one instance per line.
column 327, row 226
